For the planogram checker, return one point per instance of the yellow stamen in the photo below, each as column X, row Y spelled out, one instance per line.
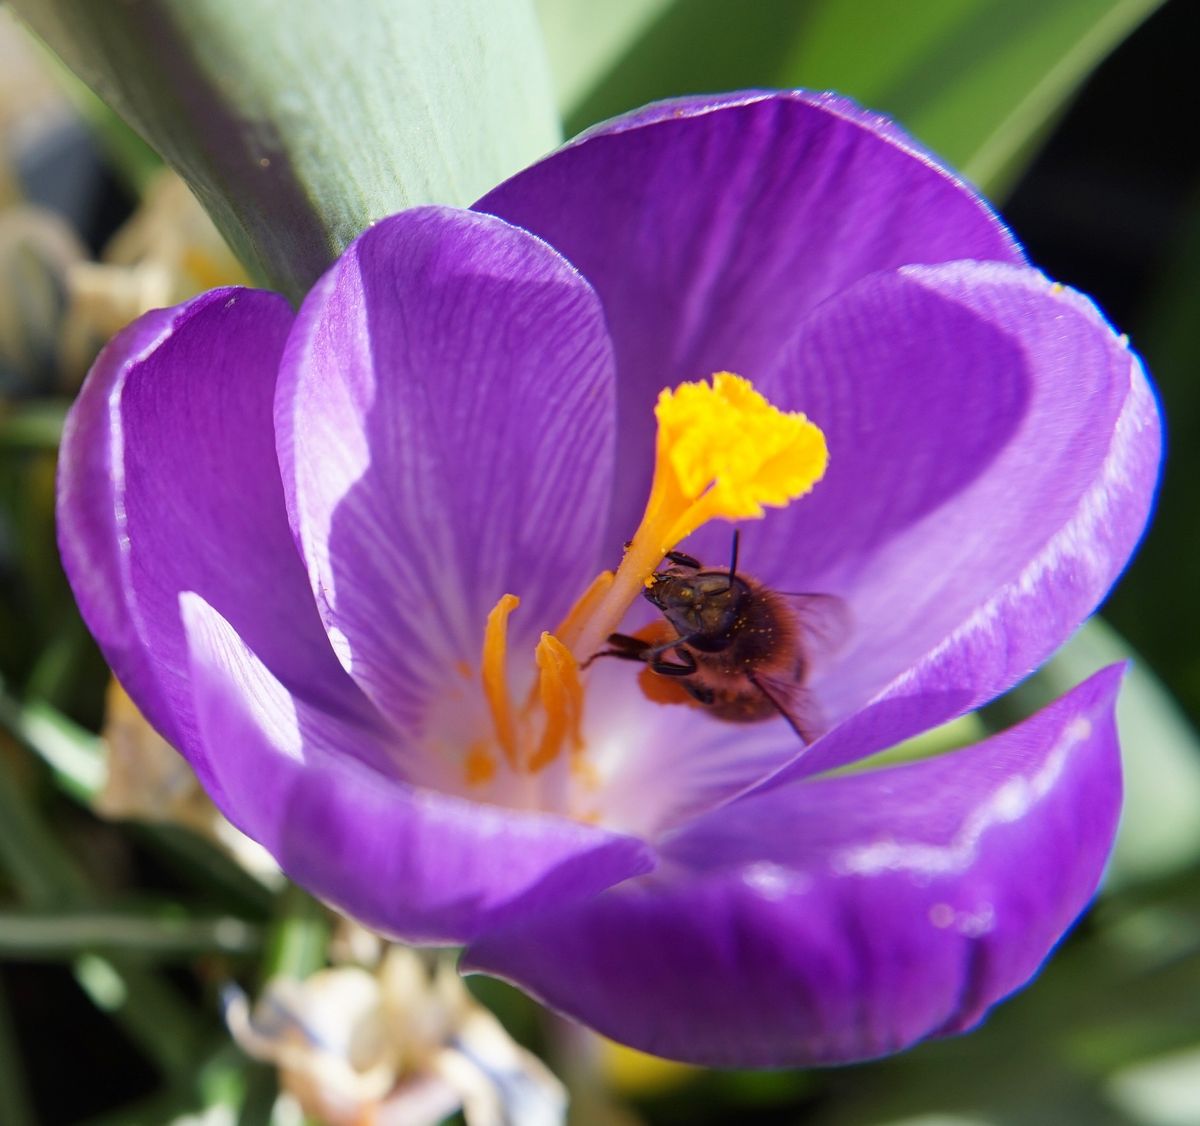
column 722, row 451
column 480, row 766
column 495, row 675
column 561, row 699
column 586, row 772
column 584, row 607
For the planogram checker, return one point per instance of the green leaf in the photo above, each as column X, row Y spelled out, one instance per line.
column 75, row 755
column 585, row 40
column 298, row 124
column 978, row 81
column 40, row 870
column 1165, row 1090
column 149, row 1008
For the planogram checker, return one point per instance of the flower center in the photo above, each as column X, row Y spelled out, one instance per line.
column 722, row 452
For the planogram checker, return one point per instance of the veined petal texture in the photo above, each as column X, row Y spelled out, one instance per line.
column 169, row 482
column 711, row 226
column 445, row 416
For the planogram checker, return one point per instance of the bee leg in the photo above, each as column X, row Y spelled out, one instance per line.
column 622, row 646
column 626, row 646
column 683, row 559
column 685, row 666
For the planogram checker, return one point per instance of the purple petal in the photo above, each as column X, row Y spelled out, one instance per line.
column 663, row 765
column 412, row 863
column 843, row 918
column 999, row 454
column 446, row 427
column 168, row 481
column 710, row 227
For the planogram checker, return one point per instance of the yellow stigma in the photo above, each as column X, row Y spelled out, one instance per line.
column 722, row 452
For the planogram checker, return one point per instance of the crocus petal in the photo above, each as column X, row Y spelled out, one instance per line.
column 659, row 765
column 446, row 428
column 1001, row 450
column 843, row 918
column 168, row 481
column 415, row 864
column 709, row 227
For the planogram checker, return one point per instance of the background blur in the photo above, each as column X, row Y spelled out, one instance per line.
column 125, row 907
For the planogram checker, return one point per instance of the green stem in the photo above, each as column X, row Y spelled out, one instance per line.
column 262, row 1089
column 16, row 1107
column 35, row 425
column 38, row 936
column 299, row 938
column 149, row 1009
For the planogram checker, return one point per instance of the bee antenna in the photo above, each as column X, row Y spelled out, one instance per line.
column 733, row 556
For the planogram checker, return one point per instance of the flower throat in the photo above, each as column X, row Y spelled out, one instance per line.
column 722, row 451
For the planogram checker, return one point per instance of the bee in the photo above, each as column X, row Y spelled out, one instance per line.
column 735, row 646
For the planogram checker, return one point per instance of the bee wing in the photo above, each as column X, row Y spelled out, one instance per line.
column 825, row 622
column 795, row 703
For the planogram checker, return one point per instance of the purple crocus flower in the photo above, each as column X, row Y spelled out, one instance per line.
column 296, row 537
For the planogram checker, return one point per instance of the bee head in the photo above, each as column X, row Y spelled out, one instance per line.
column 703, row 606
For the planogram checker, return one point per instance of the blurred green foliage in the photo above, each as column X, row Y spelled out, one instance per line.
column 978, row 81
column 1161, row 610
